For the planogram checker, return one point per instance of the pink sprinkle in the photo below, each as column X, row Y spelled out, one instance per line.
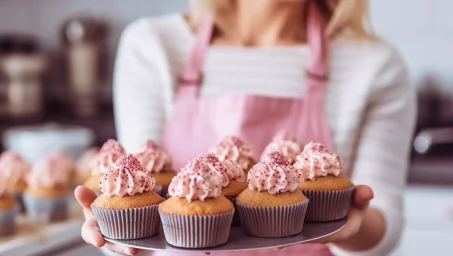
column 275, row 158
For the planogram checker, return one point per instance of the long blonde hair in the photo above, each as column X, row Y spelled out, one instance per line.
column 346, row 17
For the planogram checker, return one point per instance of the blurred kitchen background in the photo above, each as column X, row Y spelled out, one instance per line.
column 56, row 62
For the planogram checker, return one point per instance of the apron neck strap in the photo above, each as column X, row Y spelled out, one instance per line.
column 317, row 68
column 192, row 74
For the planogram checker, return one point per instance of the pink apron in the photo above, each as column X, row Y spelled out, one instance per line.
column 198, row 123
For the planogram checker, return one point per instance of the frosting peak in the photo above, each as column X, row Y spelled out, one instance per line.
column 234, row 149
column 273, row 174
column 108, row 154
column 285, row 144
column 83, row 164
column 126, row 177
column 201, row 178
column 13, row 167
column 209, row 163
column 316, row 160
column 153, row 158
column 52, row 171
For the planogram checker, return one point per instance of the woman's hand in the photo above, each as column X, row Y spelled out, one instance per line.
column 90, row 229
column 360, row 201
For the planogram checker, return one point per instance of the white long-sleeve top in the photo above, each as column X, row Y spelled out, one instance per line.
column 370, row 106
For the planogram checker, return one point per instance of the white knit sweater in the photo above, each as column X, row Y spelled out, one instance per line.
column 369, row 103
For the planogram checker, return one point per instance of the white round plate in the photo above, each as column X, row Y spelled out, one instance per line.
column 238, row 241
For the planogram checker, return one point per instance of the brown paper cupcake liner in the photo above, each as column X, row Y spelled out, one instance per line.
column 279, row 221
column 128, row 223
column 161, row 190
column 7, row 224
column 329, row 205
column 46, row 210
column 18, row 197
column 204, row 231
column 236, row 219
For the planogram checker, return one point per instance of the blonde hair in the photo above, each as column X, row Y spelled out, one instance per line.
column 345, row 17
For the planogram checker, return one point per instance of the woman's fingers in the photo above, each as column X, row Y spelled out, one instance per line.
column 362, row 196
column 85, row 197
column 121, row 249
column 91, row 233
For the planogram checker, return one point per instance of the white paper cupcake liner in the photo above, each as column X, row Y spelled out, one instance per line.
column 18, row 197
column 46, row 209
column 329, row 205
column 128, row 223
column 7, row 224
column 278, row 221
column 236, row 219
column 202, row 231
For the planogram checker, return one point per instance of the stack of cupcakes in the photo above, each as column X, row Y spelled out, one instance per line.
column 323, row 182
column 197, row 215
column 108, row 154
column 48, row 192
column 236, row 150
column 286, row 145
column 127, row 207
column 8, row 210
column 272, row 206
column 14, row 170
column 158, row 162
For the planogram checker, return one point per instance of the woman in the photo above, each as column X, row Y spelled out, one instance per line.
column 240, row 66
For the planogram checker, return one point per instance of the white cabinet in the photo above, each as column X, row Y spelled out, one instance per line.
column 429, row 222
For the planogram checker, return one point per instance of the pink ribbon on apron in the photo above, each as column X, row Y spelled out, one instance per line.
column 198, row 123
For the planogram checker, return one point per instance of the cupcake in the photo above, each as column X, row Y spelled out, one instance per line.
column 329, row 190
column 15, row 170
column 156, row 161
column 196, row 215
column 106, row 157
column 286, row 145
column 83, row 166
column 48, row 192
column 272, row 206
column 234, row 149
column 127, row 207
column 233, row 178
column 8, row 210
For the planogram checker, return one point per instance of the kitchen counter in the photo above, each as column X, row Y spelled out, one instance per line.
column 429, row 221
column 41, row 239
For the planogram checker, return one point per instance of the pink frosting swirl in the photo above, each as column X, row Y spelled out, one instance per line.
column 126, row 177
column 153, row 158
column 201, row 178
column 208, row 162
column 234, row 149
column 234, row 171
column 285, row 145
column 84, row 163
column 273, row 174
column 317, row 160
column 108, row 154
column 13, row 167
column 52, row 171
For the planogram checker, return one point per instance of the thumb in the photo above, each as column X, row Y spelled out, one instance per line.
column 85, row 197
column 362, row 196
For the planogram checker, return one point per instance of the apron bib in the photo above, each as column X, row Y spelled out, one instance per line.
column 197, row 123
